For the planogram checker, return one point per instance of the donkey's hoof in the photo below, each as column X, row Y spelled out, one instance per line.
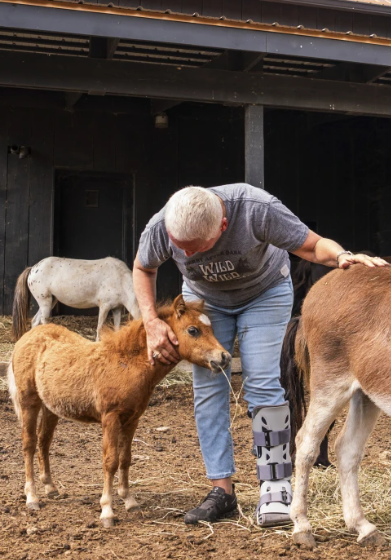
column 305, row 539
column 373, row 539
column 34, row 506
column 107, row 522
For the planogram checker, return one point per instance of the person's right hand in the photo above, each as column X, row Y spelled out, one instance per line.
column 161, row 342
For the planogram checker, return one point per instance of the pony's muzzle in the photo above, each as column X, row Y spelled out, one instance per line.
column 216, row 365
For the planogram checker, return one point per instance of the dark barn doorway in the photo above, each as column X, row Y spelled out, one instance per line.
column 93, row 219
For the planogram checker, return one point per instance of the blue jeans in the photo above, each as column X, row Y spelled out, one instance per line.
column 260, row 326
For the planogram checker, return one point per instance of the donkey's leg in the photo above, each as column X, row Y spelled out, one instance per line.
column 46, row 429
column 323, row 409
column 124, row 464
column 117, row 318
column 362, row 417
column 111, row 427
column 29, row 439
column 104, row 309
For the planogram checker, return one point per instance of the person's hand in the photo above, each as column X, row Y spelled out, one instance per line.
column 345, row 260
column 161, row 342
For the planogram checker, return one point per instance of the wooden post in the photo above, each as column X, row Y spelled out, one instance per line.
column 254, row 146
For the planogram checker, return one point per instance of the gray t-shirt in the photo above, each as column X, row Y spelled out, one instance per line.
column 249, row 257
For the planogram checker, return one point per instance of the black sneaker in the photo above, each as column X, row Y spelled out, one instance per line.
column 216, row 504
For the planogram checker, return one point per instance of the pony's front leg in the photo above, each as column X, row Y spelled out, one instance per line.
column 322, row 411
column 350, row 445
column 45, row 435
column 111, row 427
column 124, row 464
column 29, row 439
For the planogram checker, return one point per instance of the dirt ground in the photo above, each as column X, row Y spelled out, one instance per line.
column 167, row 478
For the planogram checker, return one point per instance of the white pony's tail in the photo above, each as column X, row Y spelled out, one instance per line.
column 14, row 391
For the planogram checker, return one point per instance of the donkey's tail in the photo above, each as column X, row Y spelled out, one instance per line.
column 21, row 305
column 13, row 391
column 294, row 373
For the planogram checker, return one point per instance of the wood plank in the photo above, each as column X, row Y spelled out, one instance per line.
column 192, row 6
column 308, row 17
column 232, row 9
column 213, row 8
column 254, row 146
column 16, row 248
column 252, row 10
column 41, row 186
column 200, row 35
column 218, row 86
column 4, row 112
column 104, row 130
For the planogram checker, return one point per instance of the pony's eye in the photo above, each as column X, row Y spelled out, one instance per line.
column 193, row 331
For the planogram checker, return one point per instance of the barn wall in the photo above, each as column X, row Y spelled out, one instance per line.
column 96, row 141
column 334, row 173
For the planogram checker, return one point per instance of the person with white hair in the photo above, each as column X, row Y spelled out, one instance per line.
column 231, row 245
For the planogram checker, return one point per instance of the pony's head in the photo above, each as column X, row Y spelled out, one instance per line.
column 194, row 332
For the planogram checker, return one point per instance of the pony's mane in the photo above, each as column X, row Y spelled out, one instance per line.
column 134, row 328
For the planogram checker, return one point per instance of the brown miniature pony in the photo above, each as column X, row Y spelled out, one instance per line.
column 343, row 349
column 110, row 382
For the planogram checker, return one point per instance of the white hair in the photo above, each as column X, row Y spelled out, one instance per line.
column 193, row 213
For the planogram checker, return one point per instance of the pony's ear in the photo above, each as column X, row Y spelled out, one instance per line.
column 179, row 305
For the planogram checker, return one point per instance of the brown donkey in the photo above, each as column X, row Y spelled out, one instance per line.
column 343, row 348
column 64, row 375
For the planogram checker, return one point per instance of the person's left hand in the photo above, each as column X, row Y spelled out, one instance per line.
column 346, row 260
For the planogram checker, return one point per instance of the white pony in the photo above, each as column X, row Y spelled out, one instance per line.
column 104, row 283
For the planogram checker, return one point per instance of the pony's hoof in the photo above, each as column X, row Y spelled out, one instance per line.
column 107, row 522
column 305, row 539
column 131, row 505
column 51, row 494
column 33, row 506
column 373, row 539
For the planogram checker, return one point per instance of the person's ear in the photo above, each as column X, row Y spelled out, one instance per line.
column 224, row 224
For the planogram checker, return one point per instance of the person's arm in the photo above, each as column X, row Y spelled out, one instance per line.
column 324, row 251
column 161, row 338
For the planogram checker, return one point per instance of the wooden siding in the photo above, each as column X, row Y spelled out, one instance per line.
column 334, row 172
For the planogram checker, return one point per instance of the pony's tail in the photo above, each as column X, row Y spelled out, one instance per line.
column 13, row 391
column 294, row 361
column 21, row 305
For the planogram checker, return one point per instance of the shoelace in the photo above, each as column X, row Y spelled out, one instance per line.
column 213, row 497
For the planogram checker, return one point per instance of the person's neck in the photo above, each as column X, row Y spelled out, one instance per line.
column 223, row 207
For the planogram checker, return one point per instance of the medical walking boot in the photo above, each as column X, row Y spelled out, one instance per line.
column 271, row 428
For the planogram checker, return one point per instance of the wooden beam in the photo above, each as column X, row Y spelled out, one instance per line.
column 188, row 84
column 112, row 45
column 252, row 61
column 89, row 23
column 254, row 146
column 350, row 72
column 71, row 98
column 103, row 47
column 162, row 105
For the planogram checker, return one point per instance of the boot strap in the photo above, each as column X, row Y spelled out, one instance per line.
column 284, row 497
column 274, row 471
column 272, row 439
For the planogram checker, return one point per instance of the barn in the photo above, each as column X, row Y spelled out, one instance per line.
column 108, row 107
